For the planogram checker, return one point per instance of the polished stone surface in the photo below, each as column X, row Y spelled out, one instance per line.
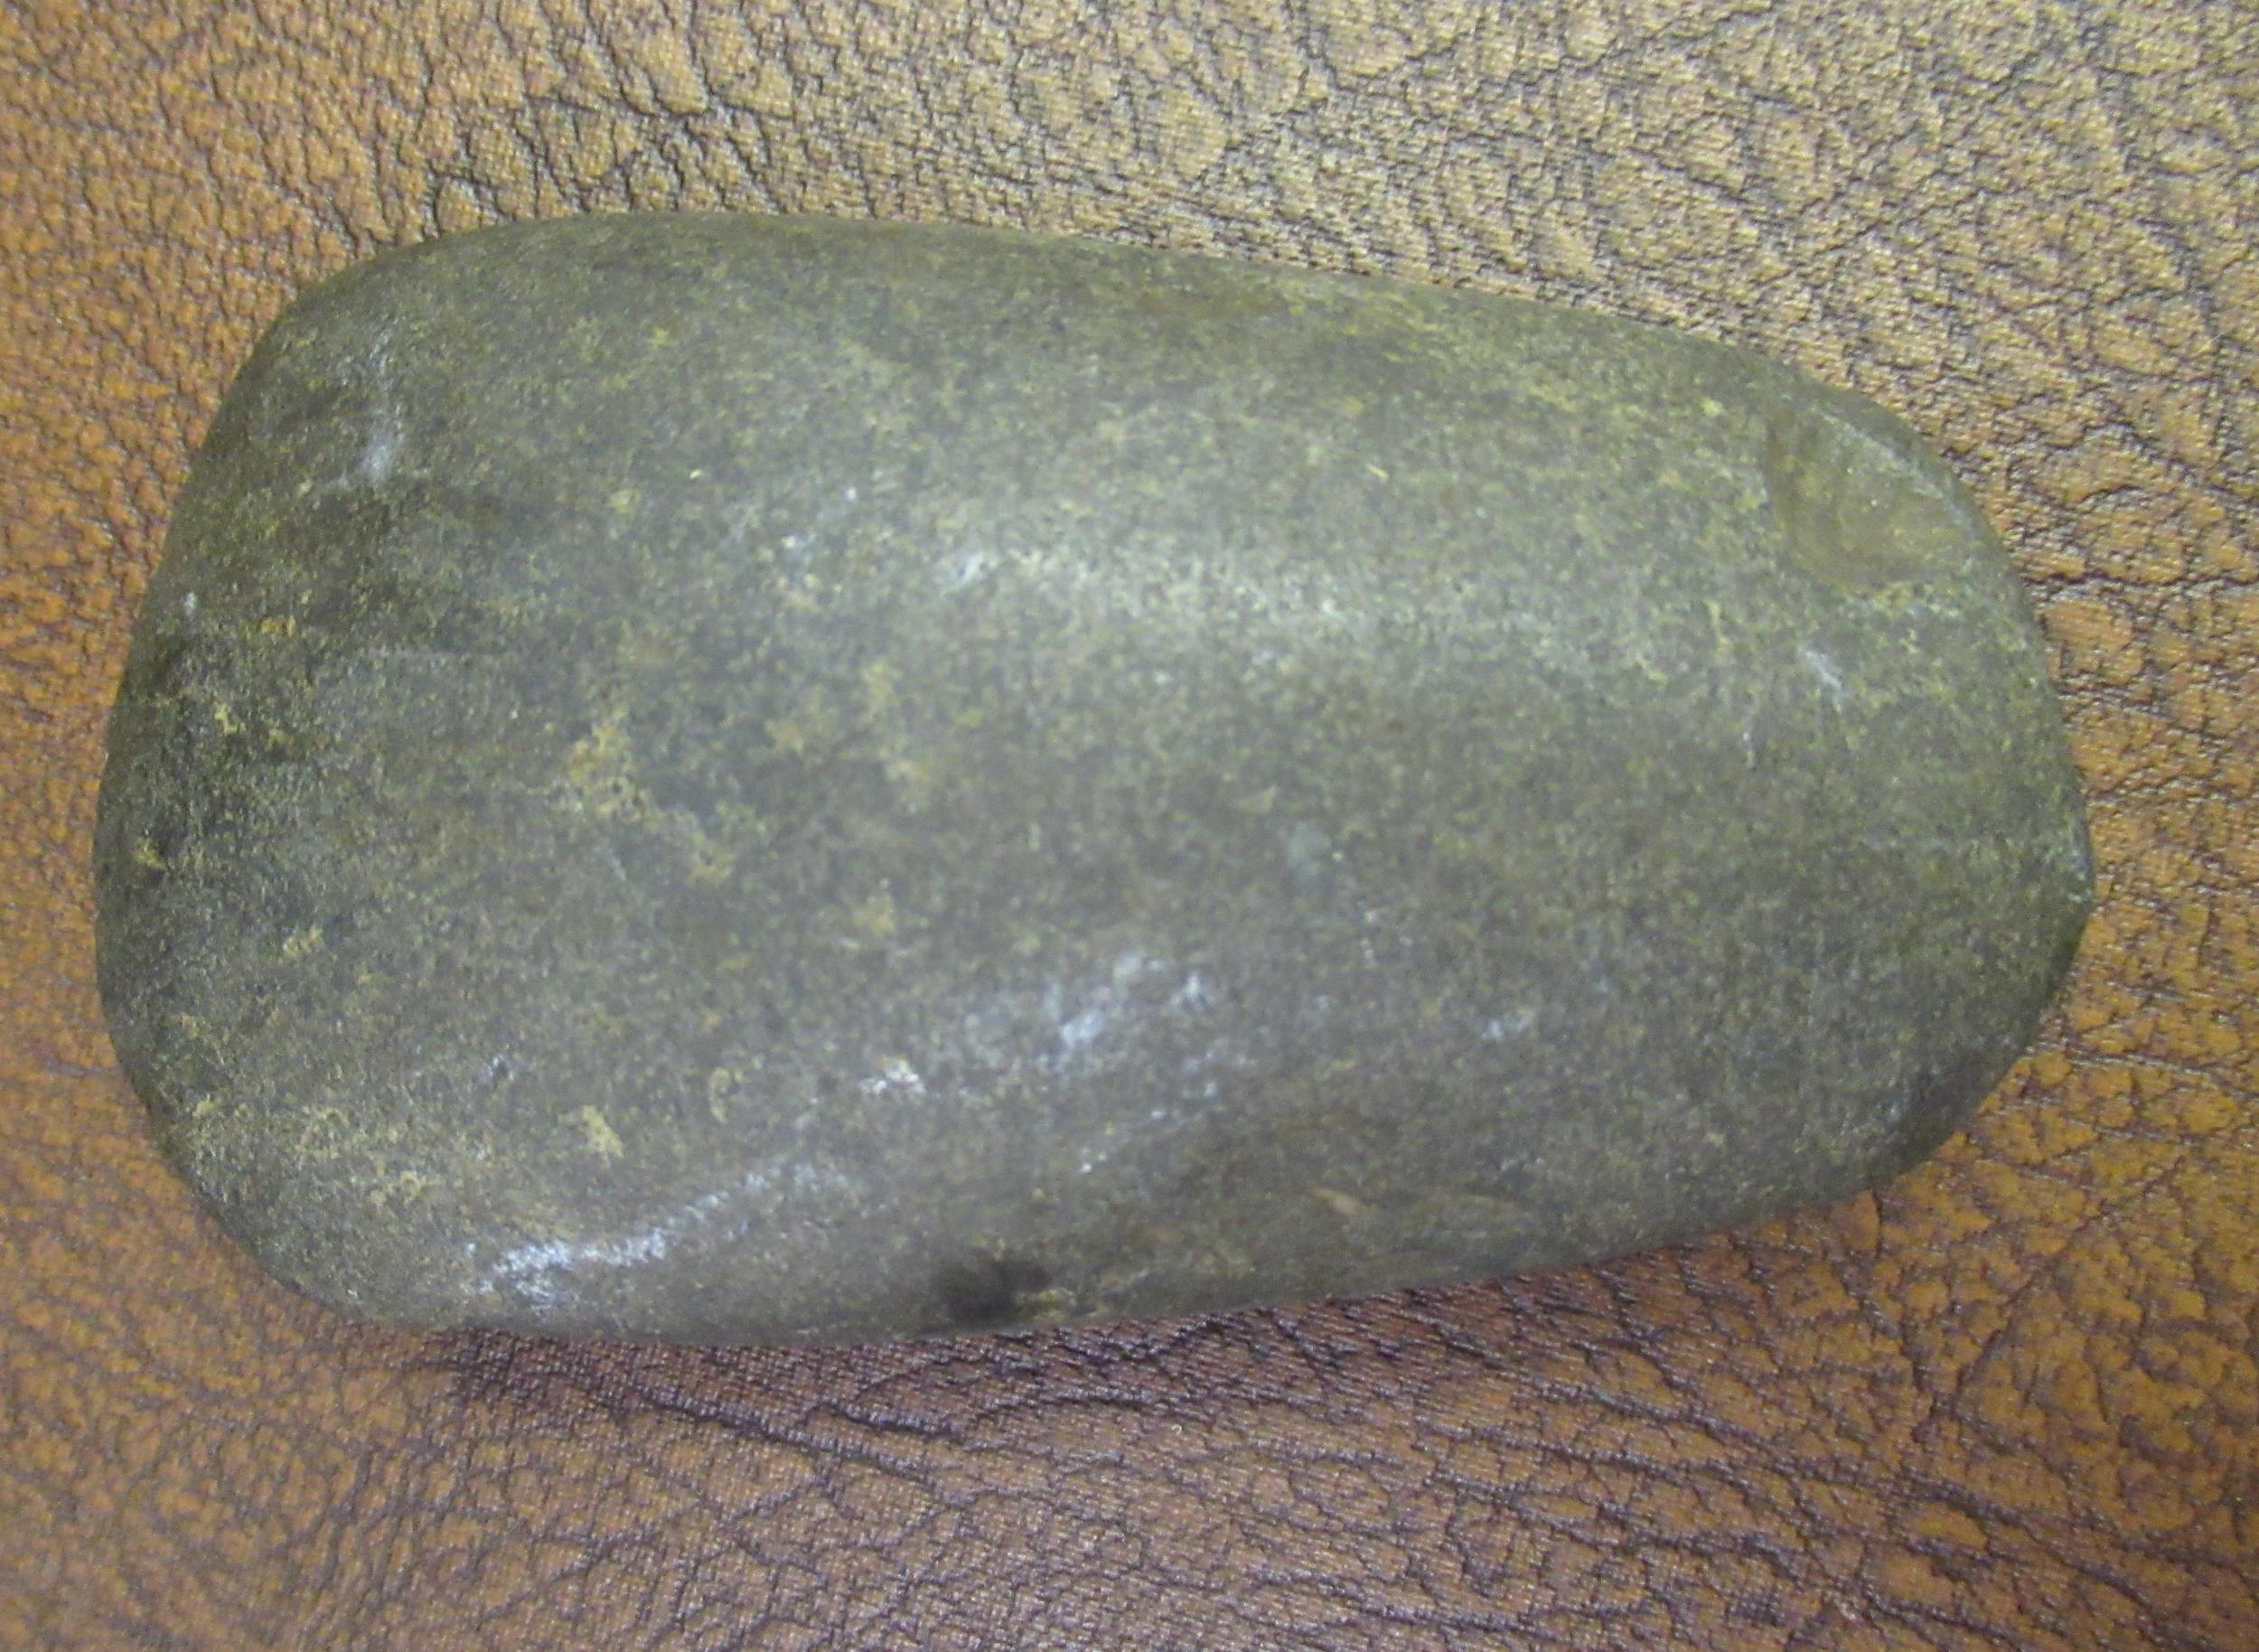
column 720, row 778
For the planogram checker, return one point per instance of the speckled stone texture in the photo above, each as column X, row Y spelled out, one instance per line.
column 720, row 778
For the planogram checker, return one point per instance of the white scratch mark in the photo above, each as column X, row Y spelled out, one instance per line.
column 740, row 529
column 382, row 451
column 541, row 1272
column 1083, row 1031
column 1824, row 668
column 1499, row 1029
column 1308, row 848
column 898, row 1077
column 1103, row 1003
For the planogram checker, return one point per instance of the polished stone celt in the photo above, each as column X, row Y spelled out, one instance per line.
column 718, row 778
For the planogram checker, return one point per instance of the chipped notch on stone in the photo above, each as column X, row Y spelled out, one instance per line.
column 1853, row 510
column 989, row 1289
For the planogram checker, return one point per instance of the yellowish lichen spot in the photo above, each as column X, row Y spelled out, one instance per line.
column 875, row 916
column 602, row 1138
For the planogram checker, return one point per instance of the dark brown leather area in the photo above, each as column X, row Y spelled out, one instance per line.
column 2012, row 1402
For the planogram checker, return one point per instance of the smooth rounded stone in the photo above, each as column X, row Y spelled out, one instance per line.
column 718, row 778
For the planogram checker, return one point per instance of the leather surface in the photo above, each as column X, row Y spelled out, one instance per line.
column 2013, row 1400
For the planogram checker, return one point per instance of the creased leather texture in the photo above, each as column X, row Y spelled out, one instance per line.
column 2011, row 1401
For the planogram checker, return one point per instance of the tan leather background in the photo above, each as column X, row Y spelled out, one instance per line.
column 2013, row 1401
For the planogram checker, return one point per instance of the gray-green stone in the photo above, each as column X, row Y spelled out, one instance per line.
column 720, row 778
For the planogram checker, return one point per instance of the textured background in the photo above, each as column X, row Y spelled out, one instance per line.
column 2012, row 1402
